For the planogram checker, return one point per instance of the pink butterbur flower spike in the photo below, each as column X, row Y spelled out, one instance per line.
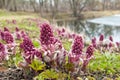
column 7, row 37
column 23, row 34
column 6, row 29
column 77, row 51
column 94, row 42
column 78, row 45
column 101, row 37
column 111, row 38
column 46, row 36
column 89, row 56
column 2, row 52
column 18, row 35
column 27, row 44
column 29, row 50
column 89, row 52
column 14, row 21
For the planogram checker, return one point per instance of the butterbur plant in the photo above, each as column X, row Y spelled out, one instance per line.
column 104, row 45
column 46, row 36
column 7, row 37
column 18, row 35
column 101, row 37
column 29, row 51
column 14, row 21
column 52, row 48
column 111, row 38
column 78, row 45
column 61, row 32
column 23, row 34
column 89, row 56
column 27, row 44
column 6, row 29
column 76, row 53
column 27, row 47
column 2, row 52
column 89, row 52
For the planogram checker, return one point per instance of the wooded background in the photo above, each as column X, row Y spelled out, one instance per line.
column 59, row 6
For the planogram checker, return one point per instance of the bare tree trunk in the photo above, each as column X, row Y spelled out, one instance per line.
column 15, row 5
column 2, row 3
column 82, row 7
column 77, row 6
column 104, row 4
column 73, row 7
column 32, row 2
column 46, row 6
column 41, row 7
column 54, row 7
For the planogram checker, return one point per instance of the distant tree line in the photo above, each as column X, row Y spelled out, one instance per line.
column 59, row 6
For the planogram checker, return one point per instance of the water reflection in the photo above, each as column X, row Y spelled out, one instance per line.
column 91, row 29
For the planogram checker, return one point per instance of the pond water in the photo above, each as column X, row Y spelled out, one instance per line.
column 91, row 29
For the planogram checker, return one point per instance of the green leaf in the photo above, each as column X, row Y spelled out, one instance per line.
column 36, row 44
column 17, row 58
column 37, row 65
column 47, row 74
column 67, row 45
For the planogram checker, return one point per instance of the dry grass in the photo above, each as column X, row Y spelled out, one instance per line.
column 16, row 15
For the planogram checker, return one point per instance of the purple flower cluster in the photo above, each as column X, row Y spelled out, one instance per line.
column 77, row 50
column 14, row 21
column 7, row 37
column 2, row 47
column 18, row 35
column 27, row 44
column 2, row 52
column 101, row 37
column 77, row 53
column 89, row 54
column 89, row 51
column 105, row 44
column 29, row 51
column 61, row 32
column 77, row 45
column 23, row 34
column 17, row 29
column 111, row 38
column 6, row 29
column 110, row 45
column 46, row 36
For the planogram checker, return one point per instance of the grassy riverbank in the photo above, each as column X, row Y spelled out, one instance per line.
column 62, row 16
